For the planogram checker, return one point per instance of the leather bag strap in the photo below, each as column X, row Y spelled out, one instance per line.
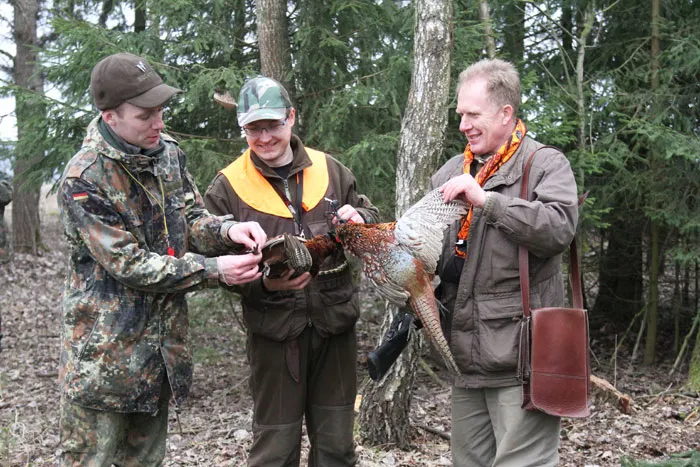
column 524, row 259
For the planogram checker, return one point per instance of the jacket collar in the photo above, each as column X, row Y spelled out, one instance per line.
column 133, row 162
column 300, row 160
column 512, row 170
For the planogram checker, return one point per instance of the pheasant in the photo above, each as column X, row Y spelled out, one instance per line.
column 398, row 258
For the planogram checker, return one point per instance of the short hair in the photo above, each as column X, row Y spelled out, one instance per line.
column 502, row 80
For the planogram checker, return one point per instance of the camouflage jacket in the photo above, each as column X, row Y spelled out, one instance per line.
column 5, row 190
column 125, row 323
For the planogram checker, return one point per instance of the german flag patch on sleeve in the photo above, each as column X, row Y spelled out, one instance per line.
column 82, row 196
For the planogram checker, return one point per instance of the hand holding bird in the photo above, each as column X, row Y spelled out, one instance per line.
column 398, row 258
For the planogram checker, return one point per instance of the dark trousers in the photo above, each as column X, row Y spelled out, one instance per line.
column 312, row 377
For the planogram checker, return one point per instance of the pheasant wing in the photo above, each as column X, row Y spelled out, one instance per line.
column 374, row 272
column 420, row 228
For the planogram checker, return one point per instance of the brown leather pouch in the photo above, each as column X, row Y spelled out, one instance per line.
column 556, row 380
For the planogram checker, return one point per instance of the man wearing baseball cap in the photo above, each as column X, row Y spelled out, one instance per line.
column 302, row 346
column 140, row 238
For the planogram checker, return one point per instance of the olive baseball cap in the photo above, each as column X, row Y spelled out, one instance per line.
column 262, row 98
column 125, row 77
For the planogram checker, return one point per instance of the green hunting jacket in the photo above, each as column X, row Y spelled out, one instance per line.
column 125, row 322
column 486, row 303
column 329, row 303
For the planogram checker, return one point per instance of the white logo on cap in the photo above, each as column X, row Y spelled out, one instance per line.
column 141, row 66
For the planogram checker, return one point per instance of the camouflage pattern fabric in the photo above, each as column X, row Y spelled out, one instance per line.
column 5, row 198
column 94, row 437
column 125, row 325
column 262, row 98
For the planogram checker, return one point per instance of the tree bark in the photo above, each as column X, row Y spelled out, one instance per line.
column 581, row 104
column 620, row 273
column 273, row 41
column 385, row 405
column 653, row 300
column 29, row 111
column 657, row 167
column 139, row 15
column 514, row 32
column 485, row 19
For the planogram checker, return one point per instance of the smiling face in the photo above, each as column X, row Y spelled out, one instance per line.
column 484, row 122
column 270, row 139
column 136, row 125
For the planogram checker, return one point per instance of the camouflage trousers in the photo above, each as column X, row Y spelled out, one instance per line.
column 96, row 438
column 4, row 242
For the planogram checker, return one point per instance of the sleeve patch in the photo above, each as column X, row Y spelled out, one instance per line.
column 82, row 196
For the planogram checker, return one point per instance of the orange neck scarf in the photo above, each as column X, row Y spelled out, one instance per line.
column 504, row 153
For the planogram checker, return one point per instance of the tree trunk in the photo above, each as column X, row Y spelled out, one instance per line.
column 581, row 104
column 107, row 7
column 657, row 167
column 485, row 18
column 273, row 41
column 676, row 301
column 620, row 274
column 694, row 369
column 385, row 405
column 139, row 15
column 653, row 300
column 29, row 111
column 514, row 32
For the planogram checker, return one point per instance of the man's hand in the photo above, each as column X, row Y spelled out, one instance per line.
column 349, row 214
column 248, row 234
column 285, row 282
column 239, row 269
column 465, row 188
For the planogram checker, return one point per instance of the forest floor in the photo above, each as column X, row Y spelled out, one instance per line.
column 663, row 426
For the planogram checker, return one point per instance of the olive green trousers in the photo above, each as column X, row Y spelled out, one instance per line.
column 312, row 378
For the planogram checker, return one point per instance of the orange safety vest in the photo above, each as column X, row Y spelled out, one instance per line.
column 257, row 192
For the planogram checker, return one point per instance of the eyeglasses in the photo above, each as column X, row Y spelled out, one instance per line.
column 271, row 129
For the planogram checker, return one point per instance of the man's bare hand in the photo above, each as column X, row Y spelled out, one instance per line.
column 465, row 188
column 248, row 234
column 239, row 269
column 285, row 282
column 350, row 214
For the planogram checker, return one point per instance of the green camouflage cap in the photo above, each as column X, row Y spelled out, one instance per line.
column 262, row 98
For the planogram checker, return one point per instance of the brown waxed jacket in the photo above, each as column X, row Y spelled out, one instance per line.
column 329, row 303
column 486, row 304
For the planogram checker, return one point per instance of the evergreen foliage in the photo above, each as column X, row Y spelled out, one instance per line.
column 351, row 75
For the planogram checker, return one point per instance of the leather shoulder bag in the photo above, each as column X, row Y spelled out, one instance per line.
column 554, row 344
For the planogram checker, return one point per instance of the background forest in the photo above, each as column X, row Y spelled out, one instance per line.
column 614, row 83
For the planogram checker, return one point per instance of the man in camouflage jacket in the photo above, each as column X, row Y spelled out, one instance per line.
column 5, row 199
column 140, row 238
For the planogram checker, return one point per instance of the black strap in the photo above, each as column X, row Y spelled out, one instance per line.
column 296, row 209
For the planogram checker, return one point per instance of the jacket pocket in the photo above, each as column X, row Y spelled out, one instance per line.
column 270, row 315
column 336, row 308
column 499, row 331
